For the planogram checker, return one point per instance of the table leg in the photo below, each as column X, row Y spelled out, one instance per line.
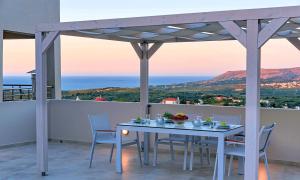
column 146, row 147
column 220, row 151
column 241, row 164
column 119, row 150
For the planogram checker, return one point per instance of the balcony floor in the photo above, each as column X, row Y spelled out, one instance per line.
column 70, row 161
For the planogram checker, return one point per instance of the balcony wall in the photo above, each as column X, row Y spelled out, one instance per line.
column 17, row 122
column 68, row 121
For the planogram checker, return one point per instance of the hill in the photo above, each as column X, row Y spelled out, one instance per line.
column 267, row 75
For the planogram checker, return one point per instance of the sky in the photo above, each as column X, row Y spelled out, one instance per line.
column 82, row 56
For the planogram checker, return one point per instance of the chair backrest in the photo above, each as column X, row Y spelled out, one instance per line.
column 230, row 119
column 99, row 122
column 264, row 136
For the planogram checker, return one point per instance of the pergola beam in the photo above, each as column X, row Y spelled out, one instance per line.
column 267, row 32
column 49, row 39
column 137, row 49
column 295, row 42
column 233, row 15
column 154, row 48
column 235, row 30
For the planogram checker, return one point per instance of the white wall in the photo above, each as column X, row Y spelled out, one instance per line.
column 24, row 15
column 17, row 122
column 68, row 121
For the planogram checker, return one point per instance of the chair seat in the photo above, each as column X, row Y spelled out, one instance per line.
column 235, row 150
column 113, row 140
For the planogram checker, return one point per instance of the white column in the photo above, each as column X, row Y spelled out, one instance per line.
column 1, row 64
column 57, row 68
column 144, row 94
column 252, row 101
column 144, row 77
column 41, row 106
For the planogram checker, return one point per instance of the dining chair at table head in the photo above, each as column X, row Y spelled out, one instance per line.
column 102, row 133
column 99, row 122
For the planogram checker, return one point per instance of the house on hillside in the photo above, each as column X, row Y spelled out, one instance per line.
column 171, row 101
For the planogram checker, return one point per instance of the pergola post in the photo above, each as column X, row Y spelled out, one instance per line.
column 43, row 43
column 1, row 64
column 144, row 53
column 253, row 39
column 41, row 106
column 252, row 120
column 144, row 77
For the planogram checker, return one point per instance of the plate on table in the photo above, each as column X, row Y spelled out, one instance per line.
column 205, row 123
column 169, row 121
column 223, row 127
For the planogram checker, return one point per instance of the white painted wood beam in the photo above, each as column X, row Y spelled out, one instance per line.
column 252, row 121
column 154, row 48
column 41, row 106
column 49, row 39
column 137, row 49
column 295, row 42
column 233, row 15
column 235, row 30
column 144, row 76
column 1, row 64
column 270, row 29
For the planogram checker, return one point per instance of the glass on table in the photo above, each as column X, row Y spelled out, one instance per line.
column 159, row 119
column 147, row 118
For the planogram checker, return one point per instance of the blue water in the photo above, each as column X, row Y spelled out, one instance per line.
column 90, row 82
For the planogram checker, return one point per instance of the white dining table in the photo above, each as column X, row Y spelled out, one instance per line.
column 185, row 129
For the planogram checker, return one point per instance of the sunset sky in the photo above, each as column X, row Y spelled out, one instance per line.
column 99, row 57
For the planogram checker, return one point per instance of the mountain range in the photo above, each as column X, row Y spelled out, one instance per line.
column 270, row 78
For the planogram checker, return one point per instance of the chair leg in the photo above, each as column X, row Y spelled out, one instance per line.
column 111, row 153
column 172, row 150
column 201, row 154
column 139, row 148
column 155, row 150
column 192, row 153
column 186, row 146
column 208, row 155
column 215, row 168
column 230, row 169
column 267, row 166
column 92, row 153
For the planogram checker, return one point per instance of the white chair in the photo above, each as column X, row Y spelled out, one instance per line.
column 103, row 134
column 178, row 140
column 209, row 142
column 238, row 149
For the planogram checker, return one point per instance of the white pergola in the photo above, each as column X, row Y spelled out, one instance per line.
column 252, row 28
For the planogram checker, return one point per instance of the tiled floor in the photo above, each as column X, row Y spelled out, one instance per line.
column 70, row 161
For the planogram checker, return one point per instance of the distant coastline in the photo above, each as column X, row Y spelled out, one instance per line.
column 93, row 82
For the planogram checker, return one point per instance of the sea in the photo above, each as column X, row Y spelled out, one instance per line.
column 91, row 82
